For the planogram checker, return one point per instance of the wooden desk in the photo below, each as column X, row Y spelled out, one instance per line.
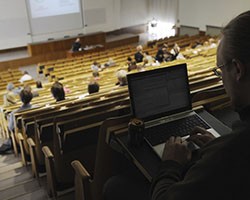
column 53, row 46
column 144, row 157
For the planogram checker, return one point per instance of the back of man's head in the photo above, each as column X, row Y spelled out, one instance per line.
column 39, row 84
column 57, row 91
column 237, row 37
column 139, row 48
column 77, row 40
column 93, row 88
column 95, row 74
column 122, row 77
column 26, row 96
column 10, row 86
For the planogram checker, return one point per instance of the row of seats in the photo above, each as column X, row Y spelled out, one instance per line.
column 68, row 134
column 81, row 65
column 54, row 137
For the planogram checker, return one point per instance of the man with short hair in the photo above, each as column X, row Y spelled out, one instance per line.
column 139, row 54
column 26, row 97
column 10, row 96
column 25, row 77
column 76, row 46
column 57, row 90
column 93, row 87
column 220, row 169
column 122, row 77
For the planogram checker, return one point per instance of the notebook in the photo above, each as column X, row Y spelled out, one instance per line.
column 161, row 98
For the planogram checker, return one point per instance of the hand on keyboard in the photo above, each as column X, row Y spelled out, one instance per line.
column 177, row 150
column 200, row 136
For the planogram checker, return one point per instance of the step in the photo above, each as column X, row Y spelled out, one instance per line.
column 39, row 194
column 8, row 159
column 15, row 180
column 20, row 190
column 14, row 172
column 11, row 167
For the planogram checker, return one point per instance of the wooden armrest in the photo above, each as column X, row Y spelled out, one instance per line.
column 82, row 181
column 31, row 142
column 47, row 152
column 33, row 157
column 14, row 142
column 80, row 169
column 21, row 144
column 20, row 136
column 50, row 170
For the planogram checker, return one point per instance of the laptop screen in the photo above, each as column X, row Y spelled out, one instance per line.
column 159, row 92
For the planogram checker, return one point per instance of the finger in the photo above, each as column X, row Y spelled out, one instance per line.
column 197, row 130
column 178, row 140
column 205, row 138
column 184, row 142
column 171, row 140
column 196, row 139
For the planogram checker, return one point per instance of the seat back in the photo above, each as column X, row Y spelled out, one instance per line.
column 77, row 140
column 107, row 163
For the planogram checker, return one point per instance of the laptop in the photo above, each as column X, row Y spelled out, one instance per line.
column 161, row 98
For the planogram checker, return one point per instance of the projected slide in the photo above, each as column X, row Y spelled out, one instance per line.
column 46, row 8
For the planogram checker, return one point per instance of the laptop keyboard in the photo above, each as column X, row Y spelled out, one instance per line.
column 182, row 127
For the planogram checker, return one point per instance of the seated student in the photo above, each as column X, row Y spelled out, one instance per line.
column 57, row 90
column 132, row 66
column 110, row 63
column 95, row 66
column 139, row 54
column 96, row 76
column 76, row 46
column 146, row 63
column 93, row 87
column 195, row 44
column 212, row 43
column 175, row 50
column 140, row 68
column 25, row 77
column 122, row 77
column 148, row 57
column 26, row 97
column 34, row 92
column 160, row 54
column 155, row 63
column 39, row 84
column 167, row 56
column 129, row 61
column 10, row 96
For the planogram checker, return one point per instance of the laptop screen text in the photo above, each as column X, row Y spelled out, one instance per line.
column 159, row 92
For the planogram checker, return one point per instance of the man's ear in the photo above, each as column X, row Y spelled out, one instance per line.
column 240, row 69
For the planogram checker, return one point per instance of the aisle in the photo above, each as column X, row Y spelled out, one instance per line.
column 17, row 183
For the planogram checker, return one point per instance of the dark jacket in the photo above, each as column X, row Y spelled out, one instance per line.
column 220, row 172
column 76, row 46
column 138, row 57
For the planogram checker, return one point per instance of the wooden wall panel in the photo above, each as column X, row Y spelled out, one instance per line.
column 48, row 47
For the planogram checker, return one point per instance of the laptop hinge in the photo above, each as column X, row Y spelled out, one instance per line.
column 169, row 118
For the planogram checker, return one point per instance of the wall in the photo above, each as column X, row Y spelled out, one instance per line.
column 14, row 26
column 97, row 15
column 199, row 13
column 108, row 15
column 134, row 12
